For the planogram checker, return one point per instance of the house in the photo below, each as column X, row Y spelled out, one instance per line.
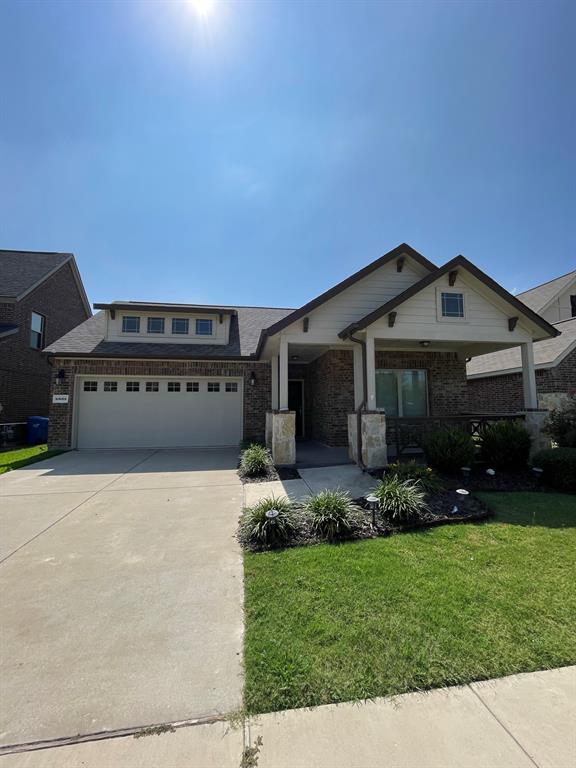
column 386, row 346
column 495, row 379
column 41, row 299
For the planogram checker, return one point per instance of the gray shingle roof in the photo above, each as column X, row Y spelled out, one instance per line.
column 546, row 353
column 21, row 270
column 245, row 327
column 539, row 297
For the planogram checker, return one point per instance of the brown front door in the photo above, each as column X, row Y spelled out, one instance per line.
column 296, row 403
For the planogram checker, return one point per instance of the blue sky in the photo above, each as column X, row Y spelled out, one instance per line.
column 261, row 154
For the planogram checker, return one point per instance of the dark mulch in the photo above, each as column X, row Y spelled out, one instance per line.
column 511, row 480
column 273, row 473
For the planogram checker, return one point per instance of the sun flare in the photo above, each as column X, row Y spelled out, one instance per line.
column 203, row 8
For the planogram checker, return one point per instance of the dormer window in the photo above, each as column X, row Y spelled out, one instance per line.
column 130, row 324
column 203, row 327
column 180, row 325
column 155, row 325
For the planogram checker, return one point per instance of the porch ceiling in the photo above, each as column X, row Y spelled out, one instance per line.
column 305, row 353
column 464, row 348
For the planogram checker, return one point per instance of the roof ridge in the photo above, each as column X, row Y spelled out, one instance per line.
column 44, row 253
column 216, row 306
column 566, row 320
column 546, row 282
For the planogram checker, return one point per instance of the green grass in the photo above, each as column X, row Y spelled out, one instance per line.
column 413, row 611
column 23, row 456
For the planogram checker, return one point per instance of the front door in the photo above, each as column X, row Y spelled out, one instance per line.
column 296, row 403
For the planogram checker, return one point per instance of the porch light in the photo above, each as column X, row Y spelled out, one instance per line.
column 373, row 505
column 424, row 343
column 252, row 379
column 61, row 375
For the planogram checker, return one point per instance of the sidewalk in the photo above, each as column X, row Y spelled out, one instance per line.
column 520, row 721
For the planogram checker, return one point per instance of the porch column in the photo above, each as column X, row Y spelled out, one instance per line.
column 370, row 372
column 274, row 364
column 358, row 376
column 529, row 376
column 283, row 396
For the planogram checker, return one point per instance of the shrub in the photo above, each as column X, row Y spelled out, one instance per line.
column 449, row 449
column 256, row 528
column 559, row 465
column 333, row 514
column 505, row 445
column 400, row 500
column 254, row 461
column 421, row 474
column 561, row 424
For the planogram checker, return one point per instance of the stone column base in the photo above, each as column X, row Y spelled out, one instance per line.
column 281, row 430
column 374, row 451
column 534, row 421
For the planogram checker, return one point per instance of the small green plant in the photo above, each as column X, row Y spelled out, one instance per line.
column 449, row 449
column 425, row 476
column 561, row 424
column 559, row 465
column 333, row 514
column 400, row 500
column 258, row 528
column 505, row 445
column 255, row 461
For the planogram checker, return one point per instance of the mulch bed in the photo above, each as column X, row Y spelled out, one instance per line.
column 273, row 473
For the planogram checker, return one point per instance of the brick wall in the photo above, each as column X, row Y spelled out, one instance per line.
column 24, row 371
column 495, row 394
column 330, row 397
column 257, row 399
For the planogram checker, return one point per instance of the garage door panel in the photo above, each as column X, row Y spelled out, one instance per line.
column 208, row 415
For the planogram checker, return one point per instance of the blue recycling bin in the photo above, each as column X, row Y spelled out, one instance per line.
column 37, row 430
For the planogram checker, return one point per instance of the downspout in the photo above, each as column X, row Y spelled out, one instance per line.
column 362, row 405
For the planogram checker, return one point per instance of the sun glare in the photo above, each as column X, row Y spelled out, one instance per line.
column 203, row 8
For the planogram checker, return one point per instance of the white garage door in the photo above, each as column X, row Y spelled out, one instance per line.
column 158, row 413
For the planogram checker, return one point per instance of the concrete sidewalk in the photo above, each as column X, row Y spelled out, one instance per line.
column 520, row 721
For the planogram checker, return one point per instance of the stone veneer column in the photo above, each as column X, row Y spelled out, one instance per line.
column 373, row 436
column 534, row 421
column 282, row 429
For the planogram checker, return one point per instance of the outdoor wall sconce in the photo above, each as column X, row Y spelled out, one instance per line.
column 252, row 379
column 424, row 343
column 61, row 375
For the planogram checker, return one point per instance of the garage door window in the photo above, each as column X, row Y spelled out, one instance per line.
column 231, row 386
column 213, row 386
column 90, row 386
column 151, row 386
column 132, row 386
column 192, row 386
column 173, row 386
column 110, row 386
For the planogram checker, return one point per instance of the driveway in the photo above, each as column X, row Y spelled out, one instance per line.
column 121, row 587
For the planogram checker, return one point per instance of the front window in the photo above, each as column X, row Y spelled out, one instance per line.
column 155, row 325
column 452, row 304
column 203, row 327
column 180, row 324
column 130, row 324
column 402, row 393
column 37, row 323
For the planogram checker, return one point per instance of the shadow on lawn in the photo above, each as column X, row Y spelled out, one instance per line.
column 538, row 509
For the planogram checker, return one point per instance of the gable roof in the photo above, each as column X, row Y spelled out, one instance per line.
column 547, row 354
column 401, row 250
column 246, row 324
column 458, row 261
column 23, row 271
column 539, row 297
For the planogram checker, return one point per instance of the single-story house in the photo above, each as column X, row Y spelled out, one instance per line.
column 495, row 379
column 386, row 345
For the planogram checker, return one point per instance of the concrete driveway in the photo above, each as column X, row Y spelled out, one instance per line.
column 121, row 586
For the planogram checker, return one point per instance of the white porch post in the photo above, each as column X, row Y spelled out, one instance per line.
column 370, row 372
column 274, row 364
column 529, row 376
column 358, row 376
column 283, row 404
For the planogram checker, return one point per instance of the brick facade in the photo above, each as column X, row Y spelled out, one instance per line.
column 24, row 371
column 257, row 398
column 494, row 394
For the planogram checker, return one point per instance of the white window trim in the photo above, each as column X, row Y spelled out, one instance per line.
column 131, row 333
column 204, row 335
column 156, row 333
column 399, row 391
column 179, row 333
column 449, row 289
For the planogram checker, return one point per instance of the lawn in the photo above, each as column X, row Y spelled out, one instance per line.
column 413, row 611
column 23, row 456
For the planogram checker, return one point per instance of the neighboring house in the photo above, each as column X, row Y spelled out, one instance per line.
column 393, row 337
column 495, row 380
column 41, row 299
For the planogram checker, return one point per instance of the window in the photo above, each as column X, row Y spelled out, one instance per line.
column 180, row 324
column 452, row 304
column 90, row 386
column 173, row 386
column 37, row 323
column 132, row 386
column 573, row 305
column 402, row 393
column 213, row 386
column 203, row 327
column 155, row 325
column 130, row 324
column 151, row 386
column 110, row 386
column 192, row 386
column 231, row 386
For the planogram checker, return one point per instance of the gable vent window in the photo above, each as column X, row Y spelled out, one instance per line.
column 213, row 386
column 130, row 324
column 132, row 386
column 192, row 386
column 231, row 386
column 203, row 327
column 173, row 386
column 151, row 386
column 110, row 386
column 37, row 323
column 90, row 386
column 452, row 304
column 155, row 325
column 180, row 325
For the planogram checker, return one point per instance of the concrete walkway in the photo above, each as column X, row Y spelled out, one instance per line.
column 522, row 721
